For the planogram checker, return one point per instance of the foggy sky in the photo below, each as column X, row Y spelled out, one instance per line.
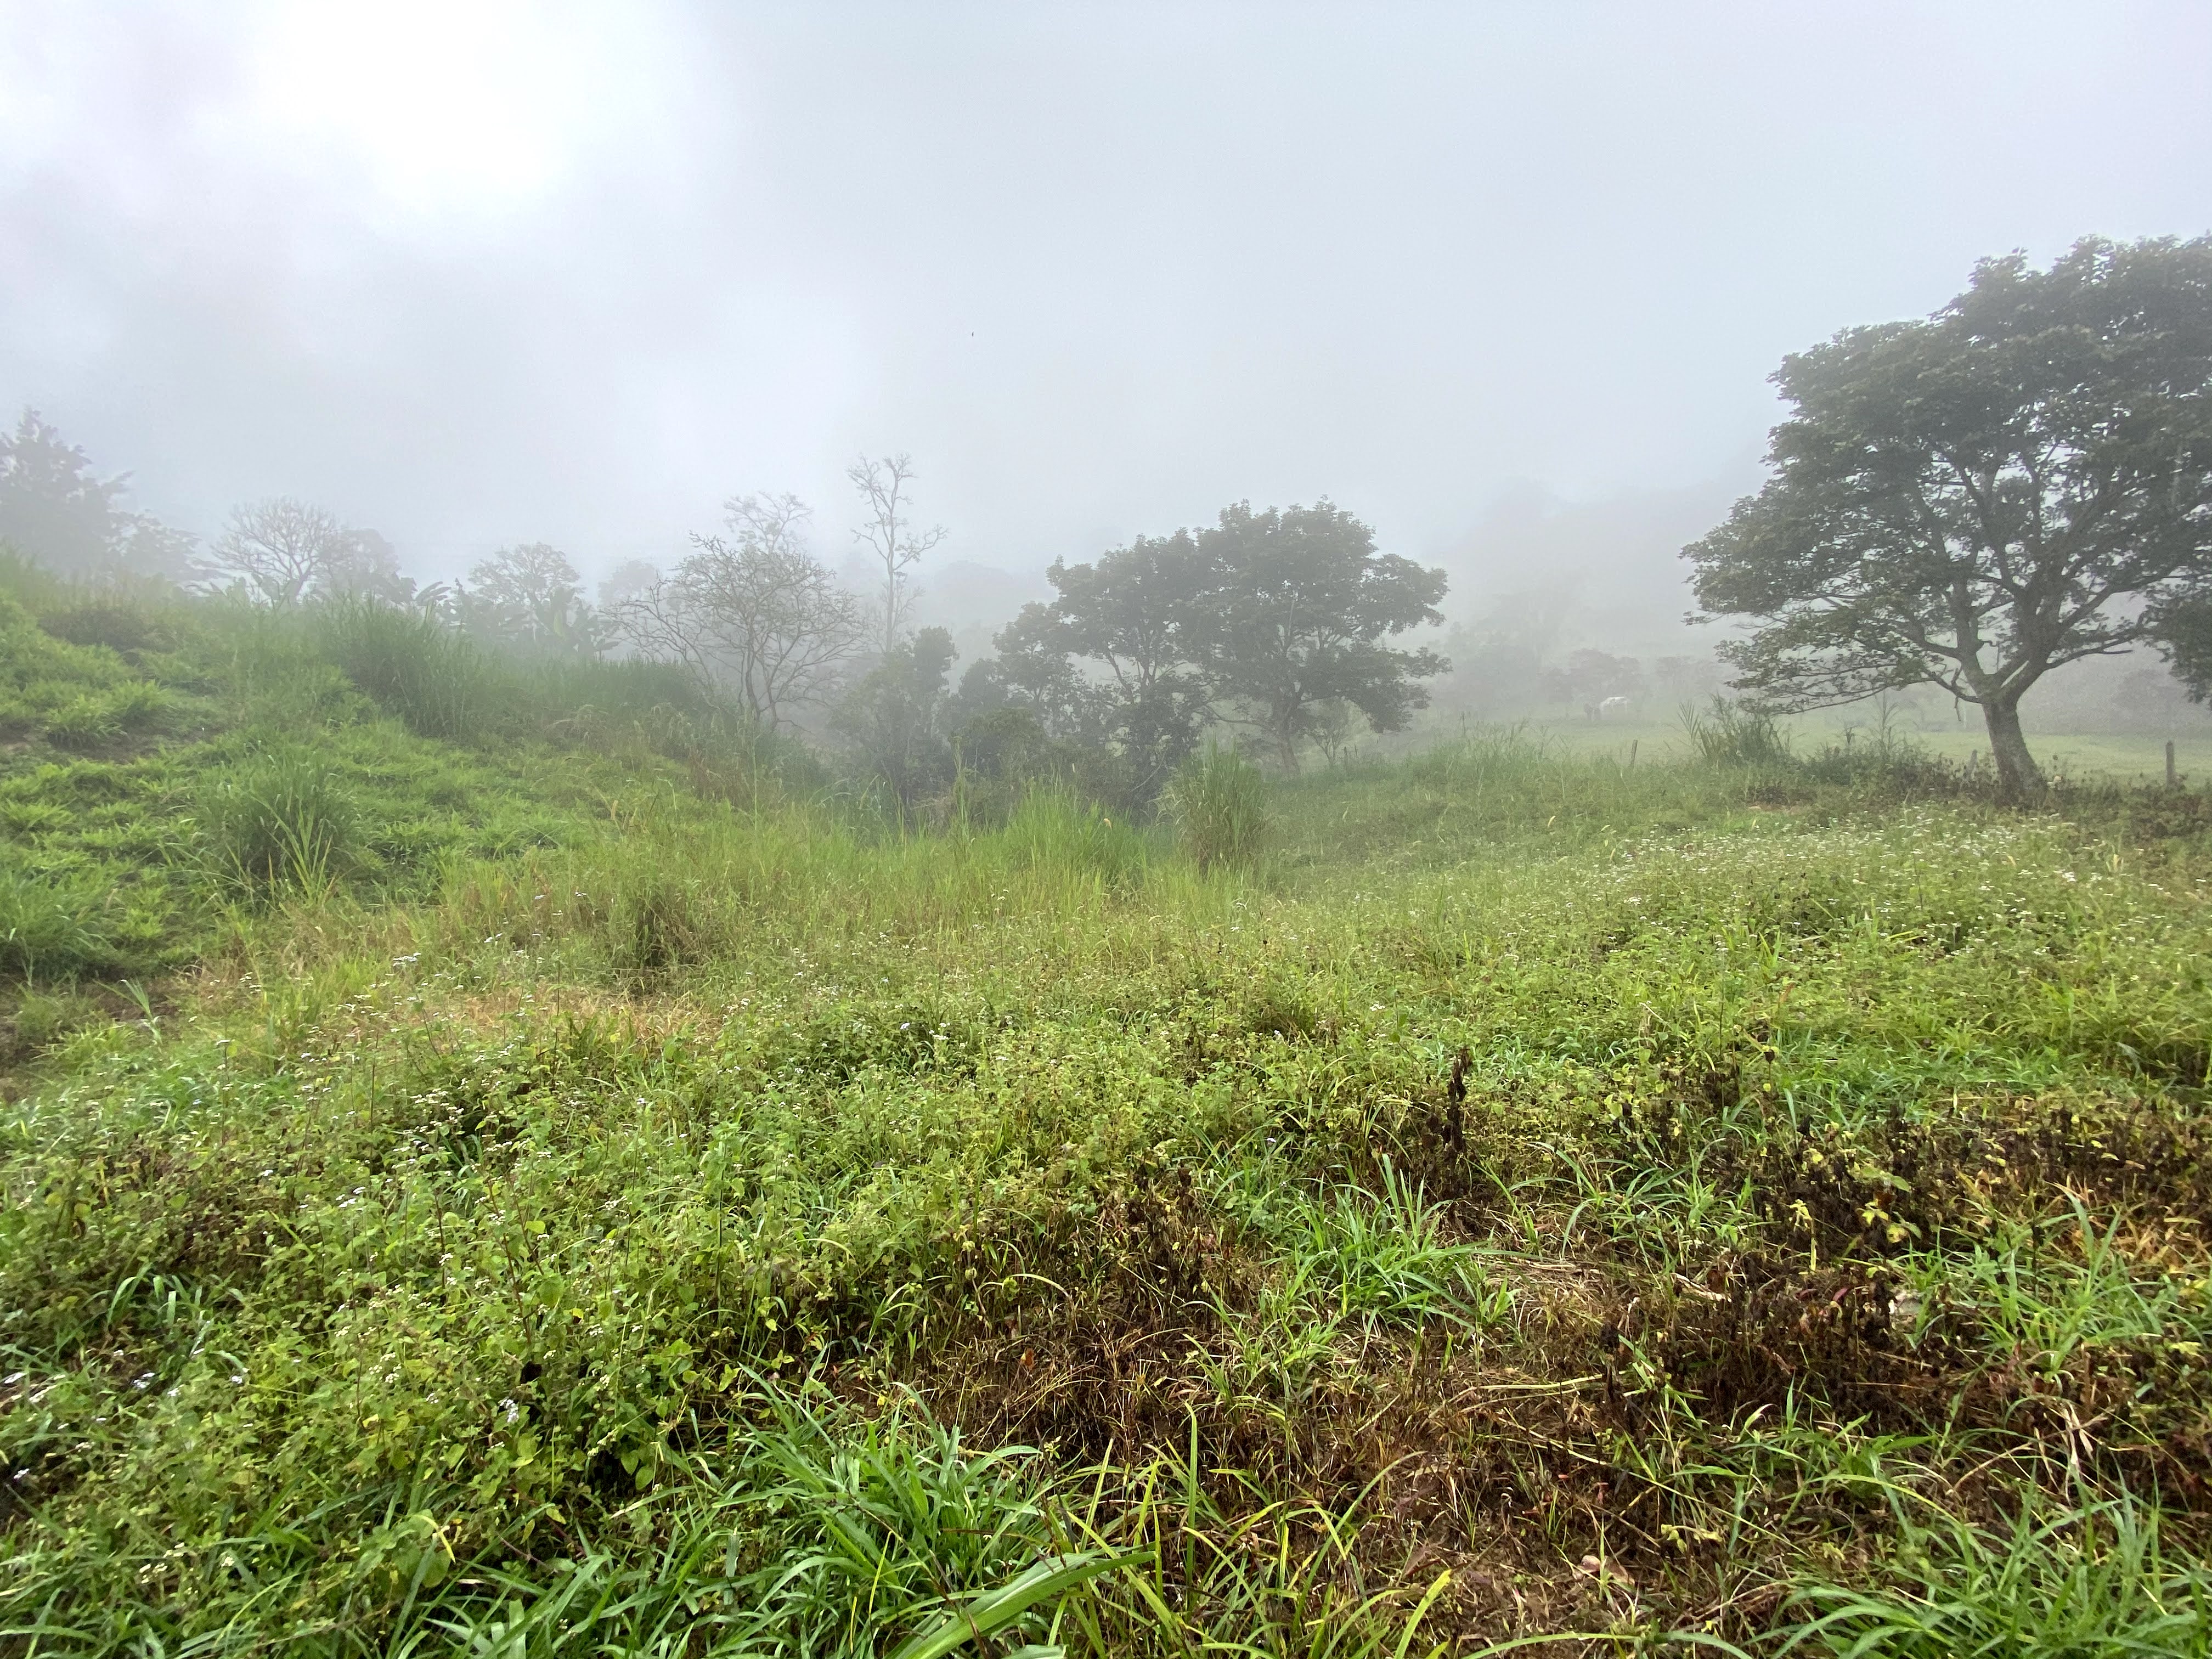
column 482, row 273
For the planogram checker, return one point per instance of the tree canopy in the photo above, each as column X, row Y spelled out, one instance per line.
column 55, row 508
column 2022, row 480
column 1273, row 620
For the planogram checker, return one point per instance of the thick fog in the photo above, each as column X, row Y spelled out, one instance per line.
column 1507, row 281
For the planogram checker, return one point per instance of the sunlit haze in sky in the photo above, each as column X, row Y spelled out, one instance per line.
column 475, row 272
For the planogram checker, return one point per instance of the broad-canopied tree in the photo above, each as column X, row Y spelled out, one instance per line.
column 1274, row 619
column 53, row 506
column 1296, row 607
column 2022, row 480
column 365, row 565
column 1132, row 614
column 2185, row 634
column 1034, row 672
column 893, row 720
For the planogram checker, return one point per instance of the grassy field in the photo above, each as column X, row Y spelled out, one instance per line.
column 2078, row 757
column 532, row 1172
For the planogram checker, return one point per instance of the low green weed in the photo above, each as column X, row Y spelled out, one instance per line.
column 2092, row 1580
column 2064, row 1321
column 1371, row 1259
column 1281, row 1580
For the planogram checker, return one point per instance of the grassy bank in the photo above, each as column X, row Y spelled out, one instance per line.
column 552, row 1188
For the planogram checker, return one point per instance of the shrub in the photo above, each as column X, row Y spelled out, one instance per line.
column 430, row 676
column 279, row 819
column 1219, row 805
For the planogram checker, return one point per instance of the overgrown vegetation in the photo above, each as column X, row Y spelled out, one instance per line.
column 519, row 1162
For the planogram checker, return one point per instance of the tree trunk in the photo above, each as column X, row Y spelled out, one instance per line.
column 2018, row 775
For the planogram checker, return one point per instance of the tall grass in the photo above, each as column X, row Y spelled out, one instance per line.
column 1219, row 805
column 430, row 675
column 1548, row 1164
column 1734, row 733
column 1053, row 830
column 2091, row 1580
column 55, row 929
column 280, row 819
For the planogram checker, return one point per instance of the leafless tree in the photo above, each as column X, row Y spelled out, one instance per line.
column 281, row 548
column 888, row 534
column 752, row 612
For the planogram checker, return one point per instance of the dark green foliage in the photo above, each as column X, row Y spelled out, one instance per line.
column 532, row 595
column 53, row 506
column 893, row 722
column 1275, row 617
column 2185, row 634
column 1294, row 617
column 1138, row 612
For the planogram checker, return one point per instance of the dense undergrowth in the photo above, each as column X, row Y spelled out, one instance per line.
column 565, row 1183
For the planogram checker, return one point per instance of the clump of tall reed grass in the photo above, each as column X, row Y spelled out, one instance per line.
column 1055, row 829
column 1737, row 733
column 413, row 666
column 1219, row 805
column 279, row 819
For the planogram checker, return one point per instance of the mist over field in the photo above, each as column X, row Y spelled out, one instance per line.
column 502, row 274
column 1105, row 832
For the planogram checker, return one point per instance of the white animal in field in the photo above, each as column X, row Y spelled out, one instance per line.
column 1611, row 707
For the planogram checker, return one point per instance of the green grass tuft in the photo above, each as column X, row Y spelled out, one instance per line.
column 1219, row 805
column 280, row 818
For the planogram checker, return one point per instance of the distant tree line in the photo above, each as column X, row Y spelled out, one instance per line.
column 1967, row 502
column 1271, row 625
